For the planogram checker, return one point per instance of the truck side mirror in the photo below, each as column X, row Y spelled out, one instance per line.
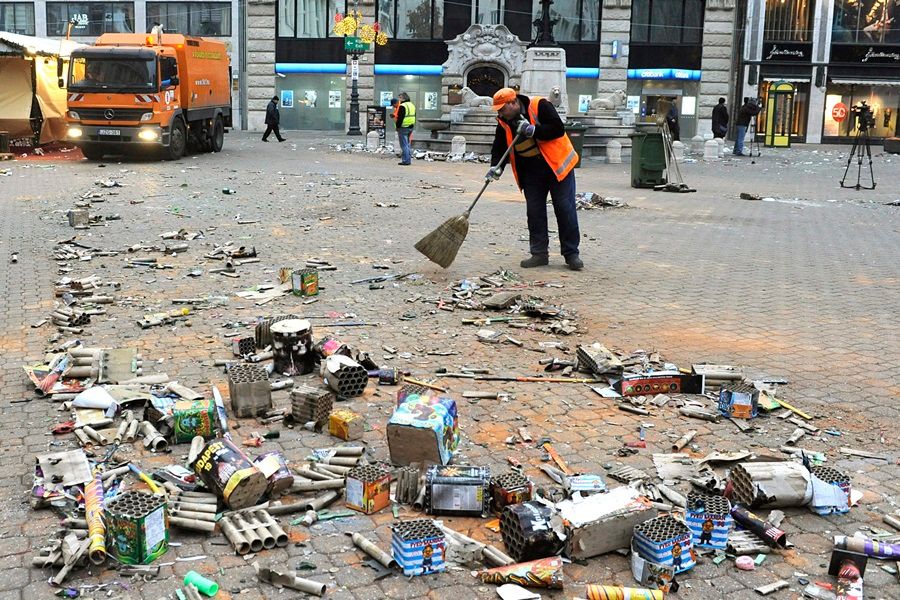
column 59, row 73
column 173, row 81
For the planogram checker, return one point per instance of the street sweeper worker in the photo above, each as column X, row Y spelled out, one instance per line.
column 542, row 161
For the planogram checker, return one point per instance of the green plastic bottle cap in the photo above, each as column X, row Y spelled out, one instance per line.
column 207, row 587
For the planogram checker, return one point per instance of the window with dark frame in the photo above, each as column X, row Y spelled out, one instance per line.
column 91, row 18
column 788, row 21
column 308, row 18
column 212, row 19
column 17, row 17
column 675, row 22
column 576, row 20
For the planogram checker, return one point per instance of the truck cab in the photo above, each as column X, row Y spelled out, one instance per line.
column 152, row 94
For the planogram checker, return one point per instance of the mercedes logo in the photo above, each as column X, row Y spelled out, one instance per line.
column 109, row 114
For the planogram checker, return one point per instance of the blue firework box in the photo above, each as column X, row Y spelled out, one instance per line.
column 709, row 519
column 424, row 428
column 418, row 547
column 665, row 541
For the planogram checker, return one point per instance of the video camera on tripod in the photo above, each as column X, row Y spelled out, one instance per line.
column 865, row 118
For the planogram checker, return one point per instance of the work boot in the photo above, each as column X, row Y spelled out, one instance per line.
column 574, row 262
column 536, row 260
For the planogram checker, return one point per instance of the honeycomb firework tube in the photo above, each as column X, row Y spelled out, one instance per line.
column 93, row 514
column 614, row 592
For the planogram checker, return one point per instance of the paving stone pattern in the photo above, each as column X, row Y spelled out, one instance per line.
column 805, row 287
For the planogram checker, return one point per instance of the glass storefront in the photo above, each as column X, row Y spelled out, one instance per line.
column 424, row 91
column 884, row 101
column 581, row 92
column 644, row 95
column 312, row 101
column 795, row 115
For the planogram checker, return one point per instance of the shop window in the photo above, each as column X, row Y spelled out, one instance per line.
column 191, row 18
column 798, row 111
column 667, row 21
column 883, row 100
column 866, row 22
column 488, row 12
column 789, row 20
column 308, row 18
column 17, row 17
column 576, row 20
column 90, row 18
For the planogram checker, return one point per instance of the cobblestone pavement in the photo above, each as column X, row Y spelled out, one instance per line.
column 804, row 286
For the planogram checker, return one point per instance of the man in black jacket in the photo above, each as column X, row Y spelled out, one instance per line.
column 720, row 119
column 746, row 113
column 542, row 160
column 273, row 118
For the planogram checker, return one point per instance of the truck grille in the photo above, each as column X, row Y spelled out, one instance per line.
column 118, row 114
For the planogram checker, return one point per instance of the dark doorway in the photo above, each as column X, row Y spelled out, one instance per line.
column 484, row 81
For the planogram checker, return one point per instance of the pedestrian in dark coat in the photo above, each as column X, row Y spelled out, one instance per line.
column 273, row 118
column 720, row 119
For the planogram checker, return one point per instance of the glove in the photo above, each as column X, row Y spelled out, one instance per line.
column 525, row 128
column 493, row 174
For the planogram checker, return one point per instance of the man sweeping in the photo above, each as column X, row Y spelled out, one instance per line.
column 542, row 160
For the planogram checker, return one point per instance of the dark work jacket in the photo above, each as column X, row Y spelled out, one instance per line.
column 746, row 113
column 273, row 117
column 550, row 128
column 719, row 118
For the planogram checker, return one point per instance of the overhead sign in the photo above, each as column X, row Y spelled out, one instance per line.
column 839, row 112
column 354, row 44
column 678, row 74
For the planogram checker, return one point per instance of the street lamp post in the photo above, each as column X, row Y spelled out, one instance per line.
column 357, row 40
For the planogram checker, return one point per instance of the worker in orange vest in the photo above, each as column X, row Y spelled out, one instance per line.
column 542, row 161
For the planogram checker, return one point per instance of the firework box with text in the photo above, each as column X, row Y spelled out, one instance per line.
column 418, row 547
column 137, row 528
column 346, row 424
column 193, row 418
column 665, row 541
column 368, row 489
column 710, row 520
column 457, row 490
column 425, row 429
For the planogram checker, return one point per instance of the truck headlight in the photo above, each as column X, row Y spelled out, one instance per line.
column 148, row 135
column 74, row 132
column 146, row 116
column 74, row 115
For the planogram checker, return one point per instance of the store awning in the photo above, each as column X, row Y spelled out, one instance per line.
column 843, row 80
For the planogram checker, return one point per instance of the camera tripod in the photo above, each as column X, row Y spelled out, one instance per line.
column 864, row 134
column 753, row 141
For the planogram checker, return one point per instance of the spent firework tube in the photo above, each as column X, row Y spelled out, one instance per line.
column 542, row 573
column 767, row 532
column 93, row 514
column 615, row 592
column 868, row 547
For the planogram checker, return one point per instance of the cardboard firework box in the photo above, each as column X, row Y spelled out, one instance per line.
column 457, row 490
column 346, row 424
column 831, row 490
column 305, row 282
column 709, row 519
column 137, row 528
column 665, row 541
column 418, row 547
column 275, row 469
column 424, row 428
column 193, row 418
column 510, row 488
column 645, row 384
column 738, row 400
column 368, row 489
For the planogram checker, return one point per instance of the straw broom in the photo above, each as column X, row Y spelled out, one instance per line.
column 441, row 245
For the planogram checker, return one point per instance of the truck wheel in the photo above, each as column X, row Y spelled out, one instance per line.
column 177, row 141
column 92, row 152
column 217, row 140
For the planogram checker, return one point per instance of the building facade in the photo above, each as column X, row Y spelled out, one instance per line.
column 834, row 54
column 50, row 18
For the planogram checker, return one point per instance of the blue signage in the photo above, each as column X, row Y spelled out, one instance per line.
column 678, row 74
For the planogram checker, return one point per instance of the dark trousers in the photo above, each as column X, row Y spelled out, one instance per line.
column 536, row 186
column 270, row 129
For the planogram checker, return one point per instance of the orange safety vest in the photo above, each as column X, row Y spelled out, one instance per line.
column 559, row 153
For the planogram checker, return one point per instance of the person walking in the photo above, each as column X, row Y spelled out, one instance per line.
column 273, row 118
column 672, row 120
column 542, row 162
column 406, row 120
column 720, row 119
column 748, row 111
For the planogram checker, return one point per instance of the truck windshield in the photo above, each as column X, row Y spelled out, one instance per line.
column 112, row 74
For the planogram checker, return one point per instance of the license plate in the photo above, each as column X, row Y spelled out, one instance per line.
column 109, row 132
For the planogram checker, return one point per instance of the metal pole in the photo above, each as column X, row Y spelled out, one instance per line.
column 354, row 95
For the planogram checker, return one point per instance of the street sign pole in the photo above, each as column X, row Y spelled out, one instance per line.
column 354, row 96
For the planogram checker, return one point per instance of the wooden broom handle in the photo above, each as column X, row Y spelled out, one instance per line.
column 488, row 181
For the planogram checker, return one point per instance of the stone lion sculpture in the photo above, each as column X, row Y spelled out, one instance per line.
column 555, row 96
column 473, row 100
column 609, row 102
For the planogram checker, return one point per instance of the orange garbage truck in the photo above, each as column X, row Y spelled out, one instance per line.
column 149, row 95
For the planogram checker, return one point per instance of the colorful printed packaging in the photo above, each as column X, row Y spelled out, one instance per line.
column 425, row 429
column 193, row 418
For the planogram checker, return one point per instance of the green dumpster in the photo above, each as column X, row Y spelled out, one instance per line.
column 575, row 131
column 648, row 158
